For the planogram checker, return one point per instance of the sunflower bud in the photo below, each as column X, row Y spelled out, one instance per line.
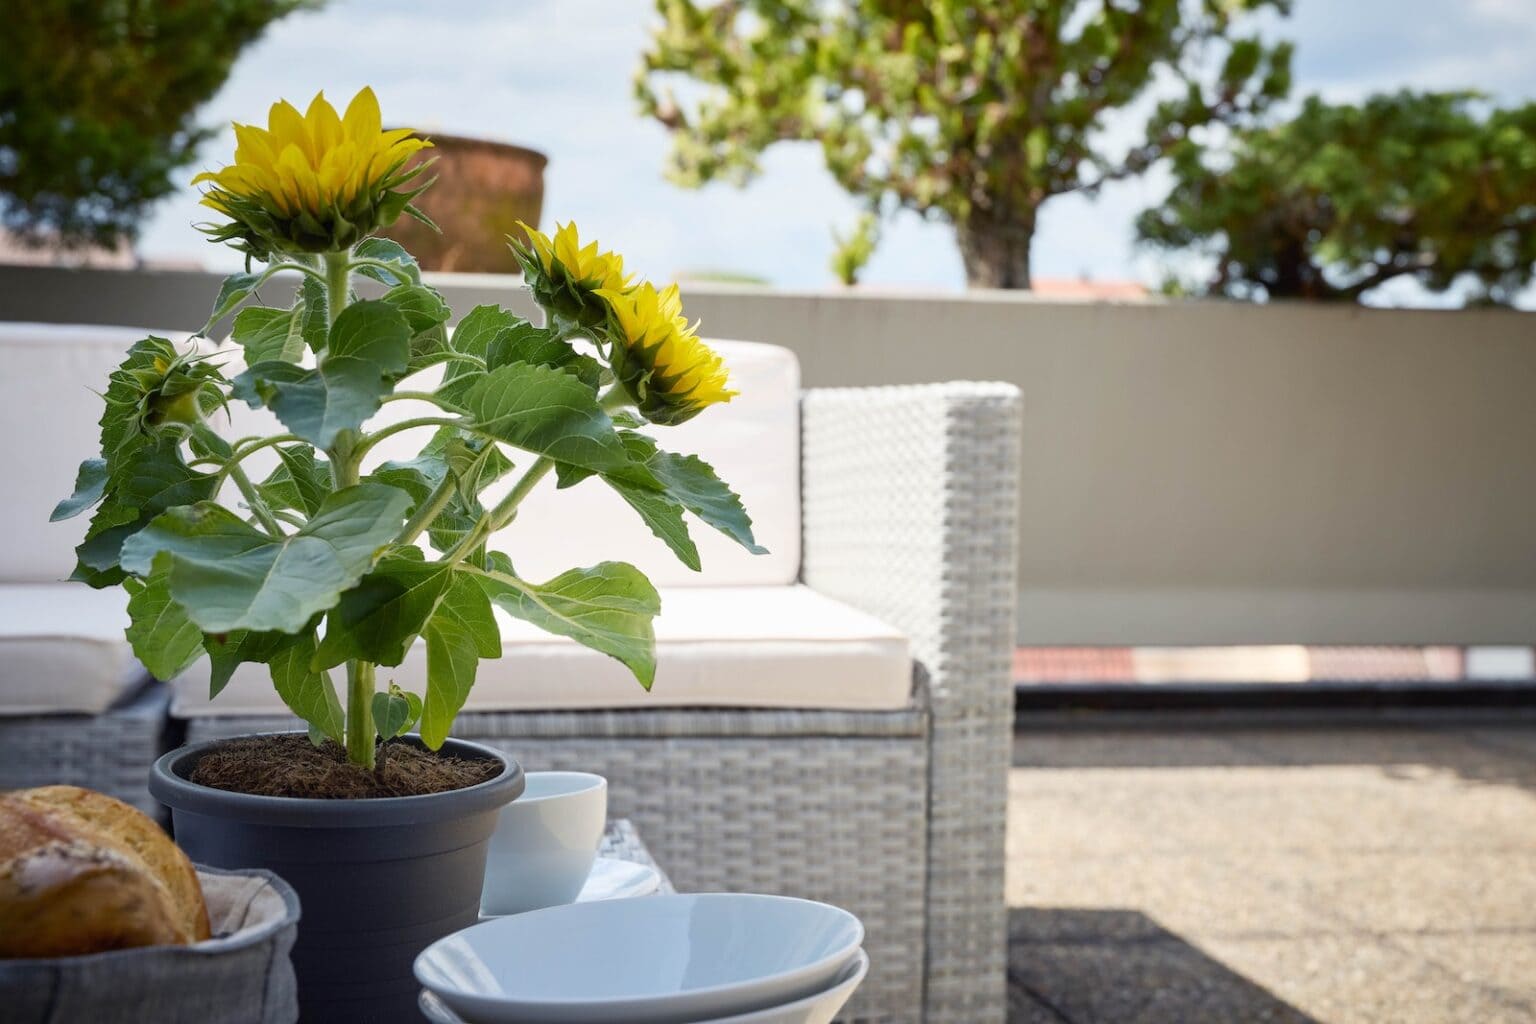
column 659, row 359
column 565, row 277
column 316, row 182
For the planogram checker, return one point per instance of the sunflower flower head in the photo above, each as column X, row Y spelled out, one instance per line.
column 566, row 276
column 671, row 374
column 314, row 182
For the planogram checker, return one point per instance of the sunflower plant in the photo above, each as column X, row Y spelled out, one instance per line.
column 334, row 563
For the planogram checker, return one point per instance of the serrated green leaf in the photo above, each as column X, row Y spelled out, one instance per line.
column 461, row 632
column 552, row 413
column 390, row 252
column 232, row 291
column 314, row 320
column 300, row 481
column 374, row 331
column 228, row 651
column 422, row 307
column 692, row 483
column 315, row 404
column 308, row 694
column 525, row 343
column 140, row 487
column 378, row 619
column 163, row 638
column 90, row 484
column 609, row 608
column 473, row 336
column 229, row 575
column 266, row 333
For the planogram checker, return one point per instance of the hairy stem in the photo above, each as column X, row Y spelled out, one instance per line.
column 360, row 727
column 346, row 457
column 232, row 469
column 428, row 510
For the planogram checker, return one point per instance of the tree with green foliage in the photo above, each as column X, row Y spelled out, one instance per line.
column 97, row 104
column 1343, row 198
column 973, row 111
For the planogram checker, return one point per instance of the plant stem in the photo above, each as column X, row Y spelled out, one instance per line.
column 395, row 270
column 338, row 282
column 360, row 727
column 428, row 510
column 369, row 441
column 232, row 469
column 346, row 456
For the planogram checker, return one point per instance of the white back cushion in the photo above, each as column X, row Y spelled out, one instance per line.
column 48, row 397
column 753, row 442
column 50, row 406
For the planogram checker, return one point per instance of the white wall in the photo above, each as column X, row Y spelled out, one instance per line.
column 1193, row 472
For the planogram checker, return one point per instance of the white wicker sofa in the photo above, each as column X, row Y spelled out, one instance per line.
column 829, row 720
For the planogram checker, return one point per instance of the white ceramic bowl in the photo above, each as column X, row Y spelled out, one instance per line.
column 656, row 960
column 817, row 1009
column 545, row 842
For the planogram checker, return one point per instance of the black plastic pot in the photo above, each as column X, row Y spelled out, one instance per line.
column 378, row 880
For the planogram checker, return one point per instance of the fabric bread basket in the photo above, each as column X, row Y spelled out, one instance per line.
column 240, row 976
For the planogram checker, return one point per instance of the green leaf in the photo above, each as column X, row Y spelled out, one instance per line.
column 390, row 252
column 665, row 518
column 300, row 481
column 395, row 711
column 316, row 404
column 525, row 343
column 229, row 575
column 266, row 333
column 374, row 331
column 378, row 619
column 551, row 413
column 228, row 651
column 461, row 632
column 422, row 307
column 608, row 608
column 232, row 292
column 164, row 639
column 90, row 484
column 314, row 321
column 140, row 486
column 692, row 483
column 308, row 693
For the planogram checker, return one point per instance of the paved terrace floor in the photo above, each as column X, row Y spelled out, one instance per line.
column 1237, row 875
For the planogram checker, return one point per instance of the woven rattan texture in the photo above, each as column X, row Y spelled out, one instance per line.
column 110, row 752
column 911, row 513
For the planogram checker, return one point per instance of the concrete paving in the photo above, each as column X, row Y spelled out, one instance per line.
column 1226, row 875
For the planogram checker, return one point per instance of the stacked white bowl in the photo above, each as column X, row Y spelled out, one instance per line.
column 674, row 959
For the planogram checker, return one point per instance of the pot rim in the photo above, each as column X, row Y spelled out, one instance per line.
column 168, row 785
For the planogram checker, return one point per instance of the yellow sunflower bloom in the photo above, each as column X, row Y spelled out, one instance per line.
column 313, row 182
column 565, row 276
column 658, row 357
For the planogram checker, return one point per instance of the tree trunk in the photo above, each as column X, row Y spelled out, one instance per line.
column 996, row 249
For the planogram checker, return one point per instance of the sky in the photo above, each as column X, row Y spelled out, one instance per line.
column 556, row 75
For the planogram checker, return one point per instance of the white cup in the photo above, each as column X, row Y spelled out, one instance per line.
column 545, row 842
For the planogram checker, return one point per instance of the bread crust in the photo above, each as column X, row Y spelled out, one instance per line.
column 81, row 872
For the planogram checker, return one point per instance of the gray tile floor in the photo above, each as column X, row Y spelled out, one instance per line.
column 1231, row 875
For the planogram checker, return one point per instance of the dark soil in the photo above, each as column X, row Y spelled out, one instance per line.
column 293, row 766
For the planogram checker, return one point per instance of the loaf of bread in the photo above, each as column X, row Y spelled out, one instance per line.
column 81, row 872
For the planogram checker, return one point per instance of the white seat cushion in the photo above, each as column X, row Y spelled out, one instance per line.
column 62, row 649
column 771, row 647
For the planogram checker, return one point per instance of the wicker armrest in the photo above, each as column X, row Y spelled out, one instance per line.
column 911, row 499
